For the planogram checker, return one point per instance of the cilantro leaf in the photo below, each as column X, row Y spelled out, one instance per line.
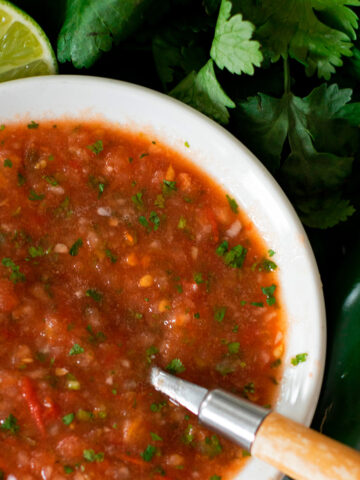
column 321, row 144
column 203, row 91
column 232, row 46
column 299, row 358
column 91, row 27
column 175, row 366
column 10, row 424
column 76, row 349
column 292, row 28
column 148, row 453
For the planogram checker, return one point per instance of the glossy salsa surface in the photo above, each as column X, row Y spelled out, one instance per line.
column 117, row 254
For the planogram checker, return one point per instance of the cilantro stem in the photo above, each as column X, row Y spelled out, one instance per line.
column 286, row 75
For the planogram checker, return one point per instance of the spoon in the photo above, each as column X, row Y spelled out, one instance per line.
column 294, row 449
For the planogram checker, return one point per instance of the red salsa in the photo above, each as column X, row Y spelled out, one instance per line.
column 116, row 254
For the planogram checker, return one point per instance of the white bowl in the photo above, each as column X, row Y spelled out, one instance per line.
column 227, row 160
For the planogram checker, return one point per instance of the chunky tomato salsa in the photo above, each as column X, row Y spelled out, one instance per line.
column 117, row 254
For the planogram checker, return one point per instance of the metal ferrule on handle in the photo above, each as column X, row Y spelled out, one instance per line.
column 232, row 417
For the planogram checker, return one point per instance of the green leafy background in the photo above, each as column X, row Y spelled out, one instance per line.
column 281, row 75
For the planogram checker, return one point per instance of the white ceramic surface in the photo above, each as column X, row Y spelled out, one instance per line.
column 225, row 159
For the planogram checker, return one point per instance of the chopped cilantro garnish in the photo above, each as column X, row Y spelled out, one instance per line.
column 235, row 257
column 91, row 456
column 155, row 437
column 219, row 313
column 182, row 223
column 137, row 200
column 34, row 197
column 215, row 477
column 188, row 437
column 96, row 147
column 299, row 358
column 76, row 349
column 156, row 407
column 50, row 180
column 269, row 293
column 222, row 248
column 257, row 304
column 68, row 469
column 36, row 252
column 15, row 276
column 179, row 288
column 232, row 203
column 10, row 424
column 249, row 388
column 111, row 256
column 168, row 187
column 21, row 179
column 67, row 419
column 276, row 363
column 33, row 125
column 271, row 253
column 74, row 249
column 2, row 127
column 144, row 155
column 267, row 265
column 101, row 188
column 160, row 201
column 94, row 294
column 187, row 144
column 234, row 347
column 8, row 163
column 144, row 223
column 154, row 218
column 198, row 278
column 235, row 328
column 175, row 366
column 148, row 453
column 212, row 446
column 150, row 352
column 130, row 159
column 245, row 453
column 197, row 315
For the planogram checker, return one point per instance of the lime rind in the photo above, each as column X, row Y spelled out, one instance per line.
column 35, row 57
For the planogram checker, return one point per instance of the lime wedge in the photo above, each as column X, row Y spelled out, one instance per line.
column 25, row 50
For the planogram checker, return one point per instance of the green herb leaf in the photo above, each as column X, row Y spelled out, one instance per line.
column 235, row 257
column 36, row 252
column 91, row 456
column 269, row 293
column 91, row 27
column 94, row 294
column 219, row 313
column 144, row 223
column 168, row 187
column 148, row 453
column 137, row 200
column 68, row 419
column 222, row 248
column 10, row 424
column 156, row 407
column 110, row 255
column 299, row 358
column 15, row 275
column 33, row 125
column 232, row 203
column 35, row 197
column 50, row 180
column 234, row 347
column 232, row 46
column 212, row 446
column 203, row 91
column 68, row 469
column 182, row 223
column 155, row 437
column 96, row 147
column 175, row 366
column 74, row 249
column 198, row 278
column 76, row 349
column 154, row 218
column 160, row 201
column 8, row 163
column 292, row 28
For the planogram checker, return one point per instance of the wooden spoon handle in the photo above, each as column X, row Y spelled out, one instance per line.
column 303, row 453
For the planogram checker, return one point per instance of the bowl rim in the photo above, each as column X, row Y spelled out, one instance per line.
column 46, row 85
